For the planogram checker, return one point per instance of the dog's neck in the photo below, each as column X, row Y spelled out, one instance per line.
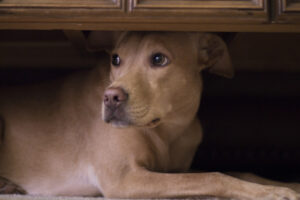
column 171, row 129
column 176, row 123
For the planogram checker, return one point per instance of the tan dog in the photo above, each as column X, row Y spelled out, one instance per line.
column 54, row 141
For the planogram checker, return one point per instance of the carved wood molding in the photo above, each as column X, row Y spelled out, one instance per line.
column 288, row 11
column 201, row 11
column 61, row 4
column 196, row 4
column 290, row 5
column 207, row 15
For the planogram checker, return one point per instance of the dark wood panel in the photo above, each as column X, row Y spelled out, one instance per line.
column 58, row 11
column 291, row 5
column 288, row 11
column 150, row 26
column 61, row 3
column 196, row 4
column 130, row 14
column 203, row 11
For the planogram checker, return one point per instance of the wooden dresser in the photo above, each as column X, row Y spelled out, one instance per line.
column 160, row 15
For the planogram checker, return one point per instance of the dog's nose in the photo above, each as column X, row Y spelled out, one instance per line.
column 114, row 97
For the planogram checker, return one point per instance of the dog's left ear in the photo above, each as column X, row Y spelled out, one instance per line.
column 213, row 54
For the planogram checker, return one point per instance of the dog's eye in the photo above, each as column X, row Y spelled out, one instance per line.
column 115, row 60
column 159, row 60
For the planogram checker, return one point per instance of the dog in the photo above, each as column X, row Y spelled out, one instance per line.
column 125, row 129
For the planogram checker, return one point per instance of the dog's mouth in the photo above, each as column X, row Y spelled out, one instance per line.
column 118, row 123
column 120, row 118
column 116, row 117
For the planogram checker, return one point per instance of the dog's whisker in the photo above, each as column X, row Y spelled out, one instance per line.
column 139, row 114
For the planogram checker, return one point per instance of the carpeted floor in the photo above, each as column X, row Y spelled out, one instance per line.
column 28, row 197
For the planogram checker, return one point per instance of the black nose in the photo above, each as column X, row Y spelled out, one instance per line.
column 114, row 97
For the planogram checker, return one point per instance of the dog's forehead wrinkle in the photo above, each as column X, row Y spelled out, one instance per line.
column 129, row 38
column 163, row 44
column 128, row 45
column 136, row 49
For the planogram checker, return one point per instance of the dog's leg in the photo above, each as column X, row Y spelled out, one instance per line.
column 7, row 187
column 145, row 184
column 257, row 179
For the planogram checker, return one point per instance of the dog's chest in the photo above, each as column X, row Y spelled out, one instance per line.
column 174, row 157
column 72, row 183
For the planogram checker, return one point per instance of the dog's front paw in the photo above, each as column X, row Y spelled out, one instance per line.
column 280, row 193
column 7, row 187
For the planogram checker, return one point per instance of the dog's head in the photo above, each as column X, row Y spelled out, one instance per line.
column 155, row 76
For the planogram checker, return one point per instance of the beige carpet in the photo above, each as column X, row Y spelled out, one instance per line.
column 27, row 197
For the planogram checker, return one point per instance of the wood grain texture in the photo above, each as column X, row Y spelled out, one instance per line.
column 246, row 4
column 152, row 27
column 151, row 15
column 288, row 11
column 288, row 5
column 201, row 11
column 61, row 3
column 199, row 16
column 105, row 14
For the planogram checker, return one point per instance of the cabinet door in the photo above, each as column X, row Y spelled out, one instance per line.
column 56, row 11
column 211, row 11
column 288, row 11
column 60, row 3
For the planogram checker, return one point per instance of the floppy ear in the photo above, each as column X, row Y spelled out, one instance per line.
column 102, row 40
column 213, row 54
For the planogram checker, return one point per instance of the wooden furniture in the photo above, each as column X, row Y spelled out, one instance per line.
column 179, row 15
column 288, row 11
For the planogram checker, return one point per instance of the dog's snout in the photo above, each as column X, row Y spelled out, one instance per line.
column 114, row 97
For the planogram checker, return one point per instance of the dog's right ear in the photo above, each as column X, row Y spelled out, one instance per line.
column 213, row 54
column 102, row 40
